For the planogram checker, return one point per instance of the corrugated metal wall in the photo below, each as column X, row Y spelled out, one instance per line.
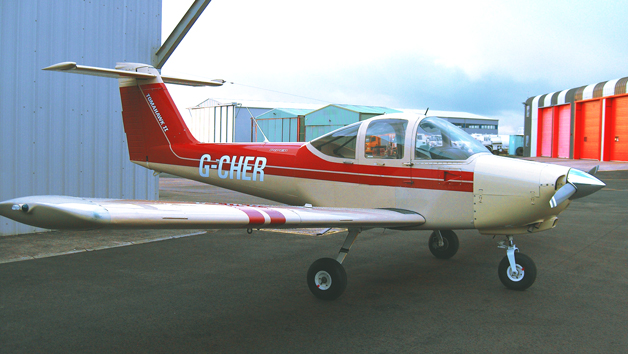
column 279, row 130
column 212, row 124
column 62, row 133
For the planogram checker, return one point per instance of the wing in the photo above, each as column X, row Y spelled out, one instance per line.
column 61, row 212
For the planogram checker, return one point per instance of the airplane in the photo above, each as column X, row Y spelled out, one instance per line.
column 398, row 171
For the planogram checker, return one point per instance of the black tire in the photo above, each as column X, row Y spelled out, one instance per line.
column 519, row 151
column 327, row 279
column 450, row 247
column 527, row 266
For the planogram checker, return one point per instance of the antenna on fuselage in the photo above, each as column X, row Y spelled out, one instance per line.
column 258, row 127
column 425, row 114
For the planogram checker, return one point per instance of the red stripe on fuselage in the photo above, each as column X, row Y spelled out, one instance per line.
column 296, row 161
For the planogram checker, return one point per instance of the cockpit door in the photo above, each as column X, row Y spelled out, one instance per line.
column 384, row 158
column 442, row 173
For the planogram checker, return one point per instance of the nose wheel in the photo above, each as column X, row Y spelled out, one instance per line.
column 516, row 271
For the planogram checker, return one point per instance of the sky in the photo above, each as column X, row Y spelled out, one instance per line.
column 483, row 57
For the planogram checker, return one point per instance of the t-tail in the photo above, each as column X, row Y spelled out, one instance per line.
column 156, row 131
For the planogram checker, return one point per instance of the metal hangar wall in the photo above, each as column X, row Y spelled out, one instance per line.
column 587, row 122
column 63, row 134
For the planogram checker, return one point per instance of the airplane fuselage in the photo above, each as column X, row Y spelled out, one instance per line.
column 450, row 194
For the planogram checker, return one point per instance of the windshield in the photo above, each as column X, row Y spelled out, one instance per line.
column 437, row 139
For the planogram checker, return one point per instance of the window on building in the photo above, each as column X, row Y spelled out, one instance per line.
column 473, row 126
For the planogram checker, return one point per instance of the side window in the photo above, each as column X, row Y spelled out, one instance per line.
column 385, row 139
column 425, row 141
column 340, row 143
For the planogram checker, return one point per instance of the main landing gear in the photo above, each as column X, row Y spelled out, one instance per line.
column 326, row 277
column 516, row 271
column 443, row 244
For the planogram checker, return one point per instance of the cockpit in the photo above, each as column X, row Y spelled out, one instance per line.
column 432, row 138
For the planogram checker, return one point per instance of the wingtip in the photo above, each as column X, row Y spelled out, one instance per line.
column 68, row 65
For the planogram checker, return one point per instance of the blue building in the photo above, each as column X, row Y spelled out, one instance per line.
column 282, row 124
column 334, row 116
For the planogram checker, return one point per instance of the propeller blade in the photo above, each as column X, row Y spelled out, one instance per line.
column 562, row 194
column 584, row 182
column 594, row 170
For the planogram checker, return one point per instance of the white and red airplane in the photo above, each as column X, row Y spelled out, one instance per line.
column 398, row 171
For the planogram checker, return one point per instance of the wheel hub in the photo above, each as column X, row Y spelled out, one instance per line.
column 440, row 247
column 516, row 275
column 322, row 280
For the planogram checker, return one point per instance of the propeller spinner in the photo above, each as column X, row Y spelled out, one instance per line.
column 579, row 184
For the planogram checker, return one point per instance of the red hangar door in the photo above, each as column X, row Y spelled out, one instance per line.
column 616, row 141
column 589, row 130
column 554, row 131
column 562, row 135
column 546, row 125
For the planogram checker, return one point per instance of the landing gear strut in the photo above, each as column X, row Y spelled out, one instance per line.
column 326, row 277
column 516, row 271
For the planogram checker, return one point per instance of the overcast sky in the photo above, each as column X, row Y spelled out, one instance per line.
column 482, row 57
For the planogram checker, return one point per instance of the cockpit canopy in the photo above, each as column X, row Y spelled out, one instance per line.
column 433, row 139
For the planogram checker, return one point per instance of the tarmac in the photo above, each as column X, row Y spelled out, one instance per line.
column 224, row 291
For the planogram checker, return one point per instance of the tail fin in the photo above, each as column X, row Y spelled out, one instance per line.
column 152, row 121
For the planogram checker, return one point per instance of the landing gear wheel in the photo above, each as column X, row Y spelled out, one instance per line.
column 327, row 279
column 521, row 279
column 449, row 247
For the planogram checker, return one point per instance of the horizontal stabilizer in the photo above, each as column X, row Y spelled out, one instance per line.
column 72, row 67
column 66, row 213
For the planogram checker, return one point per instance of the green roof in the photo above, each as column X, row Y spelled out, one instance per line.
column 367, row 109
column 284, row 113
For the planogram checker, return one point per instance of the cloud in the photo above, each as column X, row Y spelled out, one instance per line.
column 484, row 57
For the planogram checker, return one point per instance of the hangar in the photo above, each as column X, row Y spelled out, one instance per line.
column 63, row 134
column 229, row 120
column 586, row 122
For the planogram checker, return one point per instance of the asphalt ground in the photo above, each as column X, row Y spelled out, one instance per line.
column 230, row 292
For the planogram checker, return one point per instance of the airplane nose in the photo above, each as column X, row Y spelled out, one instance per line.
column 579, row 184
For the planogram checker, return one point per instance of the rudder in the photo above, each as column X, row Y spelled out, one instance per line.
column 151, row 118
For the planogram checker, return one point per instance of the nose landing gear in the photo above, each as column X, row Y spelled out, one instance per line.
column 516, row 271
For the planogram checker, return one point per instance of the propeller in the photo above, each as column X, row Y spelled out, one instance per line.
column 579, row 184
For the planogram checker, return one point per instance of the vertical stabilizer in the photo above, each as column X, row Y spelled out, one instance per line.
column 152, row 122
